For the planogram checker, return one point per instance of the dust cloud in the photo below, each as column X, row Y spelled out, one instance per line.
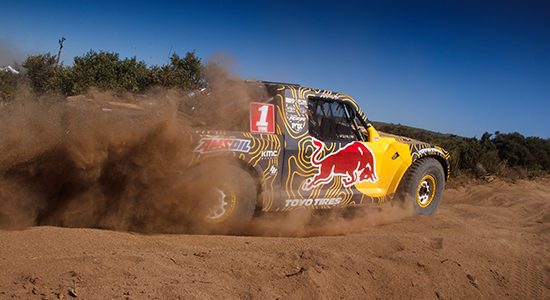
column 88, row 163
column 10, row 54
column 102, row 161
column 308, row 223
column 120, row 163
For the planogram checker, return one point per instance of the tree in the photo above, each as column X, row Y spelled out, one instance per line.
column 193, row 66
column 94, row 69
column 105, row 71
column 540, row 153
column 8, row 84
column 40, row 71
column 511, row 148
column 184, row 73
column 132, row 75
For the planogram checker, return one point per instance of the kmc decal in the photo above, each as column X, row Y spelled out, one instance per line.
column 354, row 162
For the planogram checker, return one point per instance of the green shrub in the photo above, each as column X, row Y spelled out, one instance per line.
column 106, row 71
column 507, row 155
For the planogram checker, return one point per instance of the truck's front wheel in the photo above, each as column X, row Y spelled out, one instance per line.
column 425, row 182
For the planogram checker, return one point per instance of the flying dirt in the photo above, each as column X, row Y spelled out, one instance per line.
column 99, row 161
column 121, row 162
column 87, row 163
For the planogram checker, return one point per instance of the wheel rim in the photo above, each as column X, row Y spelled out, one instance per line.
column 224, row 204
column 426, row 191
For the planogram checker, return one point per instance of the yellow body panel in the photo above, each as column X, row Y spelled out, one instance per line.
column 392, row 160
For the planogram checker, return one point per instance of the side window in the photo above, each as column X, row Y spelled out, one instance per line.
column 331, row 120
column 360, row 128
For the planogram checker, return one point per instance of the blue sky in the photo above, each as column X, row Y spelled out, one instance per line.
column 461, row 67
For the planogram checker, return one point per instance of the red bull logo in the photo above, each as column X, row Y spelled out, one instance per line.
column 354, row 162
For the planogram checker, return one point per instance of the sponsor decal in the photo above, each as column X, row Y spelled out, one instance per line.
column 297, row 123
column 207, row 145
column 428, row 150
column 310, row 202
column 290, row 109
column 297, row 126
column 346, row 136
column 355, row 162
column 273, row 170
column 290, row 100
column 297, row 118
column 302, row 102
column 269, row 154
column 262, row 117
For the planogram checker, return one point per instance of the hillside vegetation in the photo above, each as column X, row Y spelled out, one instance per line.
column 506, row 155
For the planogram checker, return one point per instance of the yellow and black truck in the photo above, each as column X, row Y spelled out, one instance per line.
column 305, row 148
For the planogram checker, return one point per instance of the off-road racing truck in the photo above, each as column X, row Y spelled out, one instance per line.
column 306, row 148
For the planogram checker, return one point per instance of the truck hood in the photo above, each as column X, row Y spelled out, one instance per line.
column 401, row 139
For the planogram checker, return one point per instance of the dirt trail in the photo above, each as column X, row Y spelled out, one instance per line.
column 487, row 241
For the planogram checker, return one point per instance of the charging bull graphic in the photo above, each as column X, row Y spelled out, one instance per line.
column 354, row 162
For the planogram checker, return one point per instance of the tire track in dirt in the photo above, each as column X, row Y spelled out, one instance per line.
column 528, row 280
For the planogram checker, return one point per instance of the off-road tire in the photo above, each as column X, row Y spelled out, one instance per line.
column 424, row 185
column 230, row 193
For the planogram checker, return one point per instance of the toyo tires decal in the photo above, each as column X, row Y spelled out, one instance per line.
column 421, row 150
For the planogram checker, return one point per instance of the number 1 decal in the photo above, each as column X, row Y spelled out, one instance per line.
column 262, row 117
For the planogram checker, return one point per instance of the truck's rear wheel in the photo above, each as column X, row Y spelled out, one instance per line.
column 227, row 197
column 425, row 182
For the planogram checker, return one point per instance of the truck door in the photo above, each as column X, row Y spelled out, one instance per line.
column 327, row 164
column 329, row 131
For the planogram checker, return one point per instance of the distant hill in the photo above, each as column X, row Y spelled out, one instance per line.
column 416, row 133
column 509, row 155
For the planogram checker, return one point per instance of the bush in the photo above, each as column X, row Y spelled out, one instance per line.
column 506, row 155
column 8, row 86
column 106, row 71
column 41, row 72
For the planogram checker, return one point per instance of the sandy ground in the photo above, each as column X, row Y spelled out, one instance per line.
column 489, row 241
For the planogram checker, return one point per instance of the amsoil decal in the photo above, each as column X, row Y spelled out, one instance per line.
column 220, row 144
column 355, row 163
column 262, row 117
